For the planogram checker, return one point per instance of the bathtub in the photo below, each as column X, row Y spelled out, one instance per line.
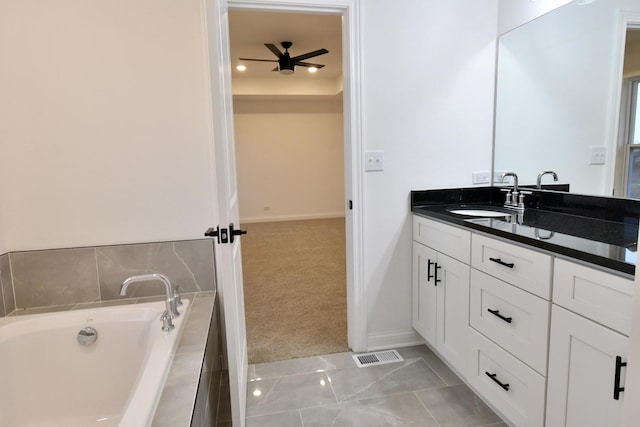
column 48, row 379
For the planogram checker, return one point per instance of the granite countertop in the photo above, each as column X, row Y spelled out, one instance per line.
column 596, row 230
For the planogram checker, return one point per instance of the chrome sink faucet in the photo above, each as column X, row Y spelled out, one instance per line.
column 543, row 173
column 514, row 199
column 171, row 301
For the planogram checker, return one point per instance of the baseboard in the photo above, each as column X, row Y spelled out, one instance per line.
column 277, row 218
column 392, row 340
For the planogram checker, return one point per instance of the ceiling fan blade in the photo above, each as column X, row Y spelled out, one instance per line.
column 276, row 69
column 273, row 48
column 310, row 54
column 261, row 60
column 308, row 64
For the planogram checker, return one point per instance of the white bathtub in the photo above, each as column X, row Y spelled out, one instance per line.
column 48, row 379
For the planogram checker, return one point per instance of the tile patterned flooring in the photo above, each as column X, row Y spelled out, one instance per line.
column 332, row 391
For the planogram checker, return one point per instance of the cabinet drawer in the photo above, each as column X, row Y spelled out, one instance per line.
column 516, row 320
column 599, row 296
column 523, row 402
column 524, row 268
column 452, row 241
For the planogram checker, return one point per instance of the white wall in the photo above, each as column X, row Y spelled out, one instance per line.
column 513, row 13
column 104, row 122
column 428, row 82
column 290, row 158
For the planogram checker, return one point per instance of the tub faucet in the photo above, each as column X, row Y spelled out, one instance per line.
column 172, row 306
column 543, row 173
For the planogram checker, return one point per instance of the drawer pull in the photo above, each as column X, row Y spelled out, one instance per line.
column 497, row 381
column 497, row 314
column 501, row 262
column 616, row 382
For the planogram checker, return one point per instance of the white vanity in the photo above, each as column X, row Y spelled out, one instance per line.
column 540, row 336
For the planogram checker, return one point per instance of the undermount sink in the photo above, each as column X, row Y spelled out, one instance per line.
column 485, row 213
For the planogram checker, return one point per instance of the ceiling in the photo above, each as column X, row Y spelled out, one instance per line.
column 249, row 31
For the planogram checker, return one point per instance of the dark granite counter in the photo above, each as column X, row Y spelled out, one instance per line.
column 597, row 230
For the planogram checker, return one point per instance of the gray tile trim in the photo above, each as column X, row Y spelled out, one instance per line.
column 51, row 278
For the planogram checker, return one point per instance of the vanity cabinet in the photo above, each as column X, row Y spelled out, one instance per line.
column 509, row 327
column 440, row 311
column 542, row 339
column 588, row 346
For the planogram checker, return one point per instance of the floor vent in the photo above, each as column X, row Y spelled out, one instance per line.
column 377, row 358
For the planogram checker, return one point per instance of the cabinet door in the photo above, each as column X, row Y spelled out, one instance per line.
column 424, row 292
column 452, row 311
column 582, row 367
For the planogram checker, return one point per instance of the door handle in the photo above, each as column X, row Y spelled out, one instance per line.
column 221, row 234
column 429, row 275
column 435, row 274
column 233, row 232
column 616, row 382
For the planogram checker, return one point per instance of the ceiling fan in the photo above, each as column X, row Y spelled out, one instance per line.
column 286, row 64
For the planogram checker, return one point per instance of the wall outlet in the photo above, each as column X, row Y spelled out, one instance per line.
column 598, row 155
column 483, row 177
column 497, row 175
column 373, row 161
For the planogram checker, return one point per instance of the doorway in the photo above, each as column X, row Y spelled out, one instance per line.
column 290, row 157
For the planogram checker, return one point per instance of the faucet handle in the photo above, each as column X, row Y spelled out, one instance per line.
column 521, row 198
column 176, row 296
column 167, row 323
column 507, row 200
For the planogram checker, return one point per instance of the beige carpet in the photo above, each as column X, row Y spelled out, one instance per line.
column 295, row 289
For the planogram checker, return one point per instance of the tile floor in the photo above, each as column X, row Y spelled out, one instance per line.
column 332, row 391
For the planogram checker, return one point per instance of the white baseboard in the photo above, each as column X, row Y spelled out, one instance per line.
column 387, row 341
column 277, row 218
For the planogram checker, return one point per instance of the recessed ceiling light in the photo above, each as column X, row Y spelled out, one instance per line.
column 241, row 67
column 312, row 69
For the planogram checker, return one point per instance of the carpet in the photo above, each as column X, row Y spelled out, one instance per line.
column 294, row 275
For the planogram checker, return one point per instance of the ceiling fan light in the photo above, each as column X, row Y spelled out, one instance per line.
column 286, row 71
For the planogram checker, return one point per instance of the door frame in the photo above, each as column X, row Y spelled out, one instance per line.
column 353, row 167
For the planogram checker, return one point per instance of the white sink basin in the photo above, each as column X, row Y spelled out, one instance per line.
column 480, row 213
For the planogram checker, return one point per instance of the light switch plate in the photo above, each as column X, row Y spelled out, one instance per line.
column 373, row 161
column 598, row 155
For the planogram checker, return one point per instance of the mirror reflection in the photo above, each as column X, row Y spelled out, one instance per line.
column 566, row 98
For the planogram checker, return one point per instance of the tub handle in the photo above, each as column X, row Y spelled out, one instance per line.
column 167, row 324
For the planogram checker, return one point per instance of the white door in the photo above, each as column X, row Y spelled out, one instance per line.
column 228, row 255
column 582, row 372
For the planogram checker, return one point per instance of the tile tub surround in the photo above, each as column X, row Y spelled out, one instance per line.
column 178, row 398
column 331, row 391
column 7, row 299
column 61, row 277
column 597, row 230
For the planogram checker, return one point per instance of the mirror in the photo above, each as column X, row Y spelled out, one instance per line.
column 558, row 96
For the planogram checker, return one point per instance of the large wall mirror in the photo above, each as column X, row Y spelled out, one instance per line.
column 564, row 97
